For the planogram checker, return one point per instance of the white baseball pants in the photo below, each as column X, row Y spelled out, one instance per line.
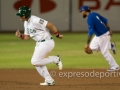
column 39, row 60
column 102, row 43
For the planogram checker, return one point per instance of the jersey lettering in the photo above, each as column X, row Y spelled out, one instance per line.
column 31, row 30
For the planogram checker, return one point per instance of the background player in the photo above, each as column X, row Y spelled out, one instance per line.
column 98, row 25
column 38, row 29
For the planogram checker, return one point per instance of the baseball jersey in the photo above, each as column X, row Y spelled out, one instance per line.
column 96, row 24
column 36, row 28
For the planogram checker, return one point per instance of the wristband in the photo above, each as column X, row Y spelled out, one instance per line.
column 56, row 33
column 108, row 28
column 88, row 41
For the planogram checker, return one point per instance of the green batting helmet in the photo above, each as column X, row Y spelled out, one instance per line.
column 24, row 11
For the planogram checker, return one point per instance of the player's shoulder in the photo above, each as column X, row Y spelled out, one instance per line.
column 93, row 14
column 34, row 17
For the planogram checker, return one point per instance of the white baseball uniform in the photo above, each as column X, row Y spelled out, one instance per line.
column 36, row 28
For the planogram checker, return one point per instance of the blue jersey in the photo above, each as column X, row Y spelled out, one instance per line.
column 96, row 24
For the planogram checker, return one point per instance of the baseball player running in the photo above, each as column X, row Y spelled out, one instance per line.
column 38, row 29
column 98, row 25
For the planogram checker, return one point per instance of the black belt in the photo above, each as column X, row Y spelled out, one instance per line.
column 44, row 40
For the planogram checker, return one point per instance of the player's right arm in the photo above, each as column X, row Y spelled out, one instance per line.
column 90, row 33
column 22, row 36
column 90, row 29
column 54, row 30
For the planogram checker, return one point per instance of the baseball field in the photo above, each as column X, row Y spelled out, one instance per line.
column 81, row 71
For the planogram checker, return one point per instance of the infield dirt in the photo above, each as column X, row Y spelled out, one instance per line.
column 68, row 79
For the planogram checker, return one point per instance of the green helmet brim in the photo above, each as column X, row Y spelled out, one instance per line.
column 18, row 14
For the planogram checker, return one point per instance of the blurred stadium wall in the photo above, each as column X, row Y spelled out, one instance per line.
column 64, row 14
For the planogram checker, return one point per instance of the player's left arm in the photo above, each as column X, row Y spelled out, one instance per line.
column 54, row 30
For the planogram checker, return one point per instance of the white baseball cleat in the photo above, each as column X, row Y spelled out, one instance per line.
column 113, row 69
column 59, row 64
column 47, row 83
column 113, row 47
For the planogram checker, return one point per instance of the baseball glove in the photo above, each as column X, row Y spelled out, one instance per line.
column 88, row 50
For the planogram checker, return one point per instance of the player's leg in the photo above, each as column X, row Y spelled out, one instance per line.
column 42, row 70
column 39, row 57
column 104, row 42
column 94, row 44
column 113, row 47
column 40, row 52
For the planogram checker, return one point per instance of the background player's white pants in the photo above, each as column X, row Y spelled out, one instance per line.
column 39, row 59
column 102, row 43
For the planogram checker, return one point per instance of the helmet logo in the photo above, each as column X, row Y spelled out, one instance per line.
column 19, row 11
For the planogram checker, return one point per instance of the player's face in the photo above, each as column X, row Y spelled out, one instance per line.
column 84, row 14
column 22, row 18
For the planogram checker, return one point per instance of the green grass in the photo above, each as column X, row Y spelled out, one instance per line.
column 15, row 53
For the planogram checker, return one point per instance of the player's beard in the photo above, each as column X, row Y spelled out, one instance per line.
column 84, row 16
